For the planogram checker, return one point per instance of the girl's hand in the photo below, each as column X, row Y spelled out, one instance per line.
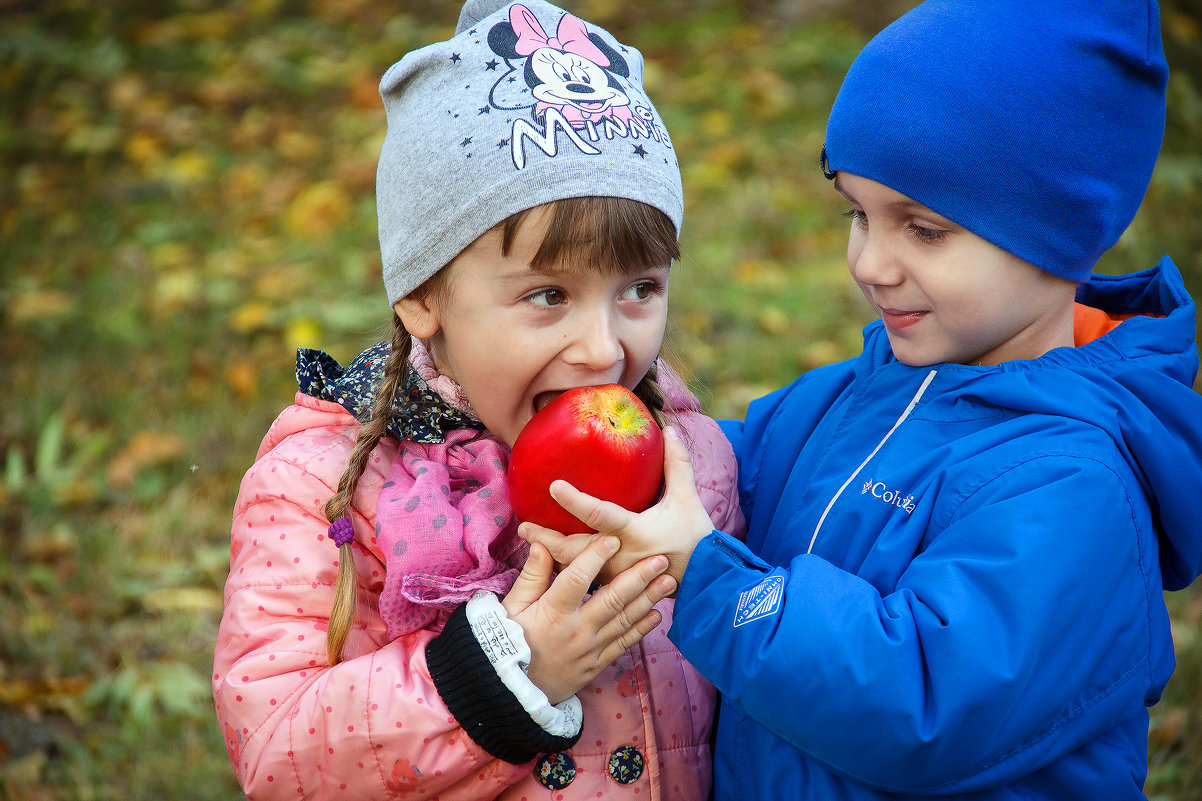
column 672, row 527
column 572, row 640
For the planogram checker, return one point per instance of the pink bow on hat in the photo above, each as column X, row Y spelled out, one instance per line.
column 570, row 37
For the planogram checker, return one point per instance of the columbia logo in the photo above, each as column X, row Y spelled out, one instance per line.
column 878, row 489
column 762, row 600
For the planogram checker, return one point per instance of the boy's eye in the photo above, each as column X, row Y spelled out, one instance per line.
column 857, row 217
column 548, row 297
column 926, row 234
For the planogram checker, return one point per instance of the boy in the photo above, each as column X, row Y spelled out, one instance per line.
column 958, row 541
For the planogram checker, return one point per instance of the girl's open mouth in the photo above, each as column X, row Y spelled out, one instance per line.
column 543, row 398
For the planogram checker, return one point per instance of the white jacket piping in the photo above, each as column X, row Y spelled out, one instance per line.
column 909, row 408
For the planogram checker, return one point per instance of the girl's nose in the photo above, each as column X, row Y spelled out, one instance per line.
column 595, row 343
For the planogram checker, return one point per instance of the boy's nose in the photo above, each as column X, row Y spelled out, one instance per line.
column 872, row 262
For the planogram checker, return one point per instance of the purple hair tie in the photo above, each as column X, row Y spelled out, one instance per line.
column 342, row 531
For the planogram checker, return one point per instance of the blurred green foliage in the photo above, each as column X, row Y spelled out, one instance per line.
column 187, row 197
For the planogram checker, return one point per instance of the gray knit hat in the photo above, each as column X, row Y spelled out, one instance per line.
column 526, row 104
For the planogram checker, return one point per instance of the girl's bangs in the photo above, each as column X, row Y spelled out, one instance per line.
column 611, row 234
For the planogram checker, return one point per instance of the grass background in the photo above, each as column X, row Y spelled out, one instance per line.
column 186, row 196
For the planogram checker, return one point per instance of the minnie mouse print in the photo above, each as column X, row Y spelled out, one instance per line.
column 574, row 82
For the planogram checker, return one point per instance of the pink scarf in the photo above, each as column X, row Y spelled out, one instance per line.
column 443, row 521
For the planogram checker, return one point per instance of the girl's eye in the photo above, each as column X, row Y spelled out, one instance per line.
column 925, row 234
column 857, row 217
column 643, row 290
column 548, row 297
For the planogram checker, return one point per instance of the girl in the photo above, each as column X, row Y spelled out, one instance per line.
column 958, row 542
column 385, row 631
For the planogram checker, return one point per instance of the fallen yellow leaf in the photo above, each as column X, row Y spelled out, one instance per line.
column 303, row 333
column 188, row 168
column 297, row 146
column 39, row 304
column 242, row 378
column 250, row 317
column 182, row 599
column 143, row 148
column 145, row 449
column 318, row 208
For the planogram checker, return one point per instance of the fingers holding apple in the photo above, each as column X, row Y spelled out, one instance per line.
column 672, row 527
column 600, row 439
column 532, row 582
column 563, row 547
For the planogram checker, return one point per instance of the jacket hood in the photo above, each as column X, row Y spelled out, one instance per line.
column 1135, row 383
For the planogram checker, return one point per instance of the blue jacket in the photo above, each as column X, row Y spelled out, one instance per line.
column 952, row 579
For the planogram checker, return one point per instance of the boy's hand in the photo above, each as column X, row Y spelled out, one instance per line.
column 672, row 527
column 572, row 640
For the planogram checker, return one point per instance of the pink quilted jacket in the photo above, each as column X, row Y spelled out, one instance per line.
column 374, row 726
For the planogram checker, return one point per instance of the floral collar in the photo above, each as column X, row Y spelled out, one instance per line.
column 419, row 414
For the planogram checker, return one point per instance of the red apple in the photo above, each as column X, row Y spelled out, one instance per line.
column 601, row 440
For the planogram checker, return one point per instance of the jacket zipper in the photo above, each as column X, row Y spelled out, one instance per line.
column 909, row 408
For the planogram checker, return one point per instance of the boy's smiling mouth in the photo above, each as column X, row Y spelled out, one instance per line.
column 900, row 318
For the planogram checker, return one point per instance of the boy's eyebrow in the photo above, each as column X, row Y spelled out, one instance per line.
column 908, row 204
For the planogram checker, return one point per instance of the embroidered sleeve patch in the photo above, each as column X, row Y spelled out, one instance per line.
column 762, row 600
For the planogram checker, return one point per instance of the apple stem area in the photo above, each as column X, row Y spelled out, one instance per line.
column 623, row 416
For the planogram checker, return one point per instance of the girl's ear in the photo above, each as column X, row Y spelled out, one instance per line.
column 419, row 314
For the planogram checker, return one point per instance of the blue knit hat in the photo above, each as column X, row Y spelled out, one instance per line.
column 524, row 105
column 1035, row 124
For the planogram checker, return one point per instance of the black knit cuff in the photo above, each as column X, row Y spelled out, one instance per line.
column 474, row 693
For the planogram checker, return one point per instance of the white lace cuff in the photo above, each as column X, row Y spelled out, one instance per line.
column 504, row 643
